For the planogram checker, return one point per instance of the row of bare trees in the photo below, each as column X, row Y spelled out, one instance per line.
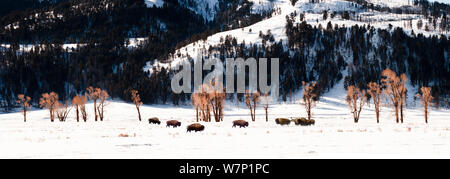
column 61, row 110
column 394, row 88
column 209, row 100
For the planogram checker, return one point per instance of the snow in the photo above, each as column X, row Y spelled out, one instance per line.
column 135, row 42
column 156, row 3
column 391, row 3
column 334, row 135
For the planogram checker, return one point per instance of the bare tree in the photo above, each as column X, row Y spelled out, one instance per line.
column 49, row 101
column 196, row 102
column 82, row 105
column 137, row 101
column 265, row 101
column 24, row 102
column 375, row 93
column 94, row 94
column 76, row 102
column 426, row 100
column 395, row 90
column 252, row 99
column 63, row 111
column 217, row 102
column 308, row 97
column 103, row 96
column 356, row 98
column 202, row 101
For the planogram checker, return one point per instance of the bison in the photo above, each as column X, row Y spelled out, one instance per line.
column 240, row 123
column 154, row 120
column 195, row 127
column 303, row 121
column 173, row 123
column 282, row 121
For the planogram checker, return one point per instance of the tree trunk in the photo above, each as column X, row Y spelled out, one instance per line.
column 139, row 113
column 196, row 113
column 78, row 115
column 401, row 113
column 51, row 116
column 24, row 114
column 426, row 115
column 267, row 118
column 251, row 113
column 254, row 111
column 396, row 114
column 308, row 111
column 100, row 112
column 95, row 109
column 378, row 117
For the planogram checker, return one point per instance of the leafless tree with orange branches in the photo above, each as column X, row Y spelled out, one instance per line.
column 252, row 99
column 426, row 100
column 395, row 89
column 217, row 102
column 356, row 98
column 375, row 93
column 265, row 101
column 77, row 101
column 308, row 97
column 94, row 94
column 201, row 100
column 63, row 111
column 49, row 101
column 137, row 101
column 103, row 96
column 82, row 105
column 24, row 102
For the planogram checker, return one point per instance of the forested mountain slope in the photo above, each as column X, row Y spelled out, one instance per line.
column 121, row 45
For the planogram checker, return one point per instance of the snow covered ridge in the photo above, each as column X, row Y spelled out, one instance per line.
column 314, row 16
column 399, row 3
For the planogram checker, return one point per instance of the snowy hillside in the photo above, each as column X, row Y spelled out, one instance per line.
column 313, row 15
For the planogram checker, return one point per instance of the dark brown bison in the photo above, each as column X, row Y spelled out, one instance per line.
column 240, row 123
column 282, row 121
column 303, row 121
column 154, row 120
column 173, row 123
column 195, row 127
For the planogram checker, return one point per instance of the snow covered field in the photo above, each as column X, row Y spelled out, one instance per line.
column 334, row 135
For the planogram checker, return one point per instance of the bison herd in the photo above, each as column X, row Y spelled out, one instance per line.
column 297, row 121
column 197, row 127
